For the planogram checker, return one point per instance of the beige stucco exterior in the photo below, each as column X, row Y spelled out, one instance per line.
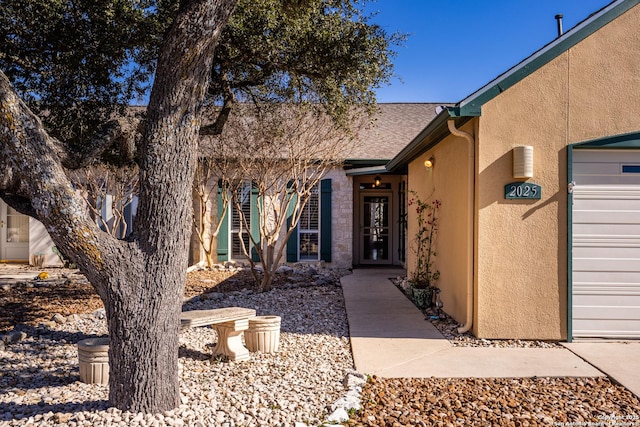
column 587, row 92
column 448, row 184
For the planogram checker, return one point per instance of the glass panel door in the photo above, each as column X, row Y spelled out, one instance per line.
column 375, row 229
column 17, row 226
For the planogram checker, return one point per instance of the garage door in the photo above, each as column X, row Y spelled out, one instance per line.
column 606, row 244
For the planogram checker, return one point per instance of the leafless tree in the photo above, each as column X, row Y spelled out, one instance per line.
column 108, row 188
column 286, row 151
column 218, row 174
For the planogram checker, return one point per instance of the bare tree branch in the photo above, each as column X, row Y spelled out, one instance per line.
column 217, row 126
column 27, row 151
column 110, row 187
column 283, row 151
column 21, row 204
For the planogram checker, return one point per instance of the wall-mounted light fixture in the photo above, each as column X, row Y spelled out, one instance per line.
column 523, row 161
column 429, row 163
column 377, row 181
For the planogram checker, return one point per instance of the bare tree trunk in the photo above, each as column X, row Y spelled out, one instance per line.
column 208, row 257
column 144, row 320
column 143, row 351
column 269, row 268
column 140, row 282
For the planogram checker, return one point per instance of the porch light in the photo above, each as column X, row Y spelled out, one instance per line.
column 377, row 181
column 430, row 162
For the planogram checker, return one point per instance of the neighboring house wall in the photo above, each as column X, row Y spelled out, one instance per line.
column 40, row 243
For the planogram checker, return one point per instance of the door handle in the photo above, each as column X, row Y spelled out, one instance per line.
column 1, row 224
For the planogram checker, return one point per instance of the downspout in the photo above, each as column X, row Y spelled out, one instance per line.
column 470, row 218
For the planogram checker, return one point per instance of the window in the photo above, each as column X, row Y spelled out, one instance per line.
column 309, row 228
column 17, row 226
column 311, row 238
column 239, row 235
column 630, row 168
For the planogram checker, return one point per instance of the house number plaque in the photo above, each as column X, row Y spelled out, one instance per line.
column 522, row 190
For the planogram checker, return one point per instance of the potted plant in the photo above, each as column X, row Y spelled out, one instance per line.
column 425, row 275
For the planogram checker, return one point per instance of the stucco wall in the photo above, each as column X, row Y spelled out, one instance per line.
column 448, row 182
column 587, row 92
column 604, row 81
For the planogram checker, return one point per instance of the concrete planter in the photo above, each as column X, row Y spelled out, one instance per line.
column 93, row 355
column 422, row 297
column 263, row 334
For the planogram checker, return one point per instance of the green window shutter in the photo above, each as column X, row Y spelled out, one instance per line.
column 223, row 235
column 325, row 220
column 255, row 222
column 292, row 243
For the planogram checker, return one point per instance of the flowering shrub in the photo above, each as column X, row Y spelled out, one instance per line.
column 425, row 275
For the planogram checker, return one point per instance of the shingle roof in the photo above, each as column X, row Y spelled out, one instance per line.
column 395, row 126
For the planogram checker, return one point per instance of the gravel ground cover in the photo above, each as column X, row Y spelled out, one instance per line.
column 39, row 381
column 496, row 402
column 449, row 327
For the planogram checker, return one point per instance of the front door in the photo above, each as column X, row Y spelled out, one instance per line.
column 14, row 234
column 375, row 228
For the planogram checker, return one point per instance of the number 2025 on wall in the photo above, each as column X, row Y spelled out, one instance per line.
column 522, row 190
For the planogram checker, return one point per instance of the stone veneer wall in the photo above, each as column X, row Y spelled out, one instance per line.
column 341, row 219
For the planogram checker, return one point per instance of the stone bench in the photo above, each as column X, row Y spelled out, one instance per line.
column 229, row 323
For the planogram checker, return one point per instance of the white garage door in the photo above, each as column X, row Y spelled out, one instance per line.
column 606, row 244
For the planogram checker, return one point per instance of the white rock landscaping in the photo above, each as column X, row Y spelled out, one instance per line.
column 296, row 386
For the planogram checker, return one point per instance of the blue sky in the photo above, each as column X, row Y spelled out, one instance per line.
column 456, row 46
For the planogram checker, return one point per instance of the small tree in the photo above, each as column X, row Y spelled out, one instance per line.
column 218, row 173
column 288, row 151
column 105, row 186
column 425, row 274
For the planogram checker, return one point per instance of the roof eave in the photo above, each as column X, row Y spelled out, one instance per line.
column 433, row 133
column 373, row 170
column 472, row 104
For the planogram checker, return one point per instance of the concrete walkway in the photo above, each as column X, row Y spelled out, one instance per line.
column 390, row 338
column 620, row 360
